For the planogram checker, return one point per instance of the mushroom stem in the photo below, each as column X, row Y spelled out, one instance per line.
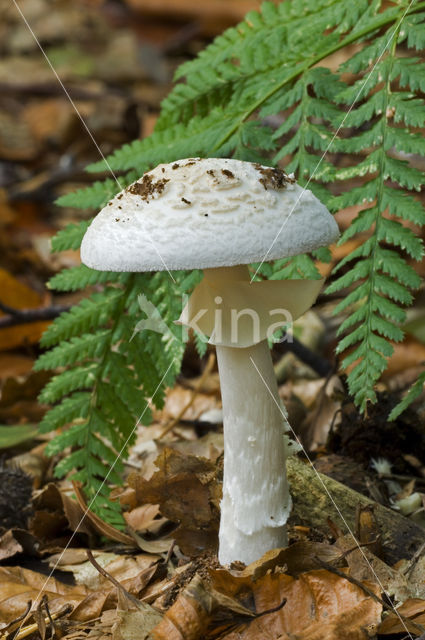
column 256, row 501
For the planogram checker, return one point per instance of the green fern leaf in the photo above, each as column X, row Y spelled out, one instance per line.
column 91, row 313
column 77, row 349
column 413, row 393
column 93, row 197
column 70, row 237
column 81, row 277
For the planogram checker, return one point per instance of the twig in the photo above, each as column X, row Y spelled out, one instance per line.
column 45, row 602
column 273, row 610
column 24, row 632
column 115, row 582
column 208, row 368
column 23, row 316
column 359, row 545
column 169, row 552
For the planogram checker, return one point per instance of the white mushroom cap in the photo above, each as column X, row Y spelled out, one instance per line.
column 201, row 213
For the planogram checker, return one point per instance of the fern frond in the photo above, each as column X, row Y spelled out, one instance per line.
column 75, row 406
column 382, row 278
column 93, row 197
column 91, row 313
column 413, row 393
column 70, row 237
column 81, row 277
column 77, row 349
column 113, row 376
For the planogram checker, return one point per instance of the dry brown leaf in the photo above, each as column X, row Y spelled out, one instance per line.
column 13, row 365
column 187, row 490
column 18, row 586
column 98, row 524
column 414, row 571
column 142, row 517
column 319, row 606
column 189, row 616
column 135, row 625
column 178, row 398
column 48, row 119
column 152, row 546
column 132, row 572
column 407, row 354
column 413, row 609
column 17, row 541
column 366, row 566
column 54, row 513
column 295, row 559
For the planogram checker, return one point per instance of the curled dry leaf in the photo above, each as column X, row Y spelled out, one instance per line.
column 141, row 518
column 317, row 606
column 298, row 558
column 101, row 527
column 188, row 492
column 54, row 513
column 413, row 609
column 190, row 615
column 180, row 398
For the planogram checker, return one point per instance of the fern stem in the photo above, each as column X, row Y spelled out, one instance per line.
column 350, row 39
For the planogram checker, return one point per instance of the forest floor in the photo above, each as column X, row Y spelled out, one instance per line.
column 116, row 60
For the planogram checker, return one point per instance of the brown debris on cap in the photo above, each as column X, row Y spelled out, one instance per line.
column 148, row 187
column 274, row 178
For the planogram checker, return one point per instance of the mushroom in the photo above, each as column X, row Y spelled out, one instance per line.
column 219, row 215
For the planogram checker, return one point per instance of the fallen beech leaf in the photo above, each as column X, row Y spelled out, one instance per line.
column 189, row 616
column 414, row 609
column 141, row 517
column 55, row 512
column 135, row 625
column 13, row 365
column 178, row 398
column 152, row 546
column 366, row 566
column 187, row 489
column 18, row 586
column 17, row 541
column 297, row 558
column 319, row 606
column 99, row 525
column 415, row 571
column 133, row 572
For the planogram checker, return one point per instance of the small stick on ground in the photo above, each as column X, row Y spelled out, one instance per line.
column 24, row 316
column 108, row 576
